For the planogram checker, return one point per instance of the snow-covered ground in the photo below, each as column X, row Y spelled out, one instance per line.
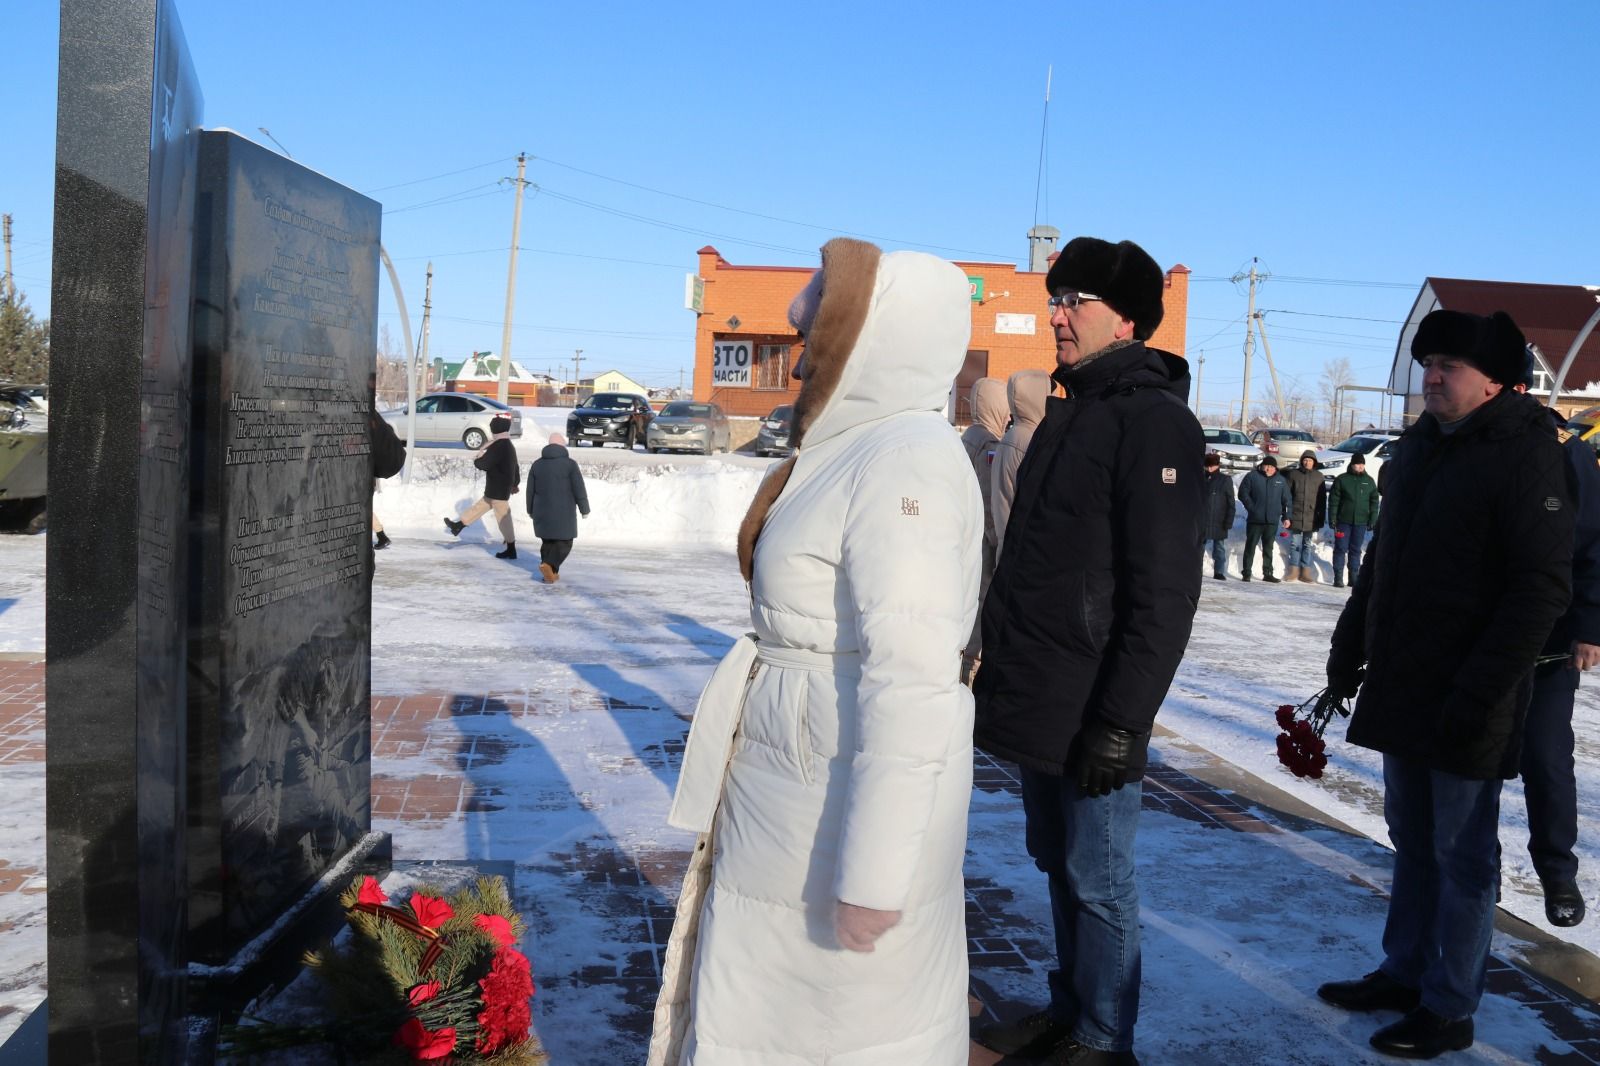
column 648, row 602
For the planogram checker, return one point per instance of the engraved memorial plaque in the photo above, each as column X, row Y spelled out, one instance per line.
column 285, row 334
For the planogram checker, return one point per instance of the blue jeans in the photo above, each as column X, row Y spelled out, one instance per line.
column 1219, row 556
column 1446, row 875
column 1085, row 846
column 1347, row 541
column 1548, row 782
column 1300, row 552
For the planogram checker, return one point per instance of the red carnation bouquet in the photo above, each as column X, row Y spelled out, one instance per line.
column 1300, row 745
column 432, row 979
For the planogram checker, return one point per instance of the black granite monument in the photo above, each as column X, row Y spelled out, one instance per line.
column 286, row 291
column 128, row 112
column 208, row 570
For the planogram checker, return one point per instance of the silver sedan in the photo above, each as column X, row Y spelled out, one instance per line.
column 455, row 416
column 684, row 426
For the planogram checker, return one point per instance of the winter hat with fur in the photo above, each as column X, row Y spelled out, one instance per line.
column 1121, row 274
column 1494, row 344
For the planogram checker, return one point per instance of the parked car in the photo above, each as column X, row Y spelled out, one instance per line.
column 1232, row 446
column 1377, row 447
column 1284, row 445
column 686, row 426
column 454, row 416
column 773, row 436
column 620, row 417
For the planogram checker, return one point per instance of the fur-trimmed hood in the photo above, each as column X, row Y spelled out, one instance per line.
column 889, row 337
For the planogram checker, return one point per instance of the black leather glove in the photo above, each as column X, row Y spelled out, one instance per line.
column 1344, row 681
column 1104, row 758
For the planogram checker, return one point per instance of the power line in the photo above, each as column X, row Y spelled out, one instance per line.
column 1351, row 318
column 775, row 218
column 436, row 177
column 542, row 251
column 449, row 198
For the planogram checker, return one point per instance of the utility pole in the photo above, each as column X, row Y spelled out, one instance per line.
column 1249, row 344
column 8, row 292
column 1199, row 378
column 1266, row 348
column 679, row 393
column 577, row 361
column 511, row 280
column 427, row 314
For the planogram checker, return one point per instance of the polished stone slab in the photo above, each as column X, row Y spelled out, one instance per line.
column 280, row 622
column 127, row 134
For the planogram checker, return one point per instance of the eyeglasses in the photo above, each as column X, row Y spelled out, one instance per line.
column 1069, row 301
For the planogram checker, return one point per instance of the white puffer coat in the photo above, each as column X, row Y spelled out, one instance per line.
column 851, row 769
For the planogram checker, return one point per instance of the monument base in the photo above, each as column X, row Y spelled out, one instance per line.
column 272, row 960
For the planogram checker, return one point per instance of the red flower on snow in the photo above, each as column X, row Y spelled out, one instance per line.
column 431, row 911
column 371, row 892
column 498, row 929
column 420, row 994
column 506, row 1018
column 425, row 1043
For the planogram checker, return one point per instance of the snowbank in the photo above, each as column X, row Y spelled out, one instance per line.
column 633, row 498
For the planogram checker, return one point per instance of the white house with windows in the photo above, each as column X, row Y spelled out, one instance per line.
column 611, row 381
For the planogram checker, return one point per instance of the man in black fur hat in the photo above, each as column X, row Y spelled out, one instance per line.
column 1086, row 619
column 1467, row 573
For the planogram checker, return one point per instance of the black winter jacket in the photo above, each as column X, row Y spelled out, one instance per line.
column 1308, row 498
column 501, row 473
column 1468, row 571
column 1265, row 499
column 1220, row 509
column 1582, row 620
column 556, row 493
column 1095, row 590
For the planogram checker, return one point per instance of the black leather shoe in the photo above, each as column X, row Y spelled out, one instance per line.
column 454, row 527
column 509, row 552
column 1244, row 577
column 1422, row 1034
column 1219, row 576
column 1071, row 1053
column 1376, row 991
column 1563, row 903
column 1270, row 579
column 1028, row 1037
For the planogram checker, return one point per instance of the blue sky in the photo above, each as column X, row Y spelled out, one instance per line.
column 1364, row 144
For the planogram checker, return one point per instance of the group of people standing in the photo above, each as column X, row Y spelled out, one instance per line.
column 829, row 764
column 556, row 497
column 1294, row 506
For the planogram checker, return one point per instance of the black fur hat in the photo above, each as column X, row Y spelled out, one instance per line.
column 1494, row 344
column 1122, row 274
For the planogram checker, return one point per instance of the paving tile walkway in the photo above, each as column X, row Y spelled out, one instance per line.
column 433, row 757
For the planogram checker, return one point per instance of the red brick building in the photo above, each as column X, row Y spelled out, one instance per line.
column 744, row 348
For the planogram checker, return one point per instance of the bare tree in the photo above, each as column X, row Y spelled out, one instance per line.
column 391, row 370
column 1336, row 374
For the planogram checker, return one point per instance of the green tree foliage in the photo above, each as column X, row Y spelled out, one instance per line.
column 24, row 343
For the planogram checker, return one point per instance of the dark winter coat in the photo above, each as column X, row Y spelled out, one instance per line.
column 1220, row 510
column 1466, row 575
column 556, row 494
column 1265, row 499
column 1308, row 497
column 388, row 452
column 500, row 472
column 1582, row 620
column 1094, row 594
column 1354, row 500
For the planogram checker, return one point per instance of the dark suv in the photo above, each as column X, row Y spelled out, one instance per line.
column 606, row 417
column 773, row 436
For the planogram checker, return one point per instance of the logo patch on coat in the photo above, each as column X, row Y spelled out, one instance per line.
column 1551, row 503
column 1169, row 476
column 908, row 506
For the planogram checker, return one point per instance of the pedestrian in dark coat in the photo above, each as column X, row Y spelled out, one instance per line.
column 1086, row 620
column 388, row 456
column 1308, row 509
column 556, row 496
column 1352, row 512
column 1549, row 781
column 1470, row 569
column 501, row 478
column 1265, row 496
column 1220, row 513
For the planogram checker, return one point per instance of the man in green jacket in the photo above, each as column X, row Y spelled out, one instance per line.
column 1352, row 512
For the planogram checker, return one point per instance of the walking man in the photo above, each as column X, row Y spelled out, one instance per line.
column 1219, row 515
column 1086, row 620
column 1470, row 569
column 1308, row 498
column 1265, row 496
column 556, row 496
column 1352, row 512
column 1549, row 784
